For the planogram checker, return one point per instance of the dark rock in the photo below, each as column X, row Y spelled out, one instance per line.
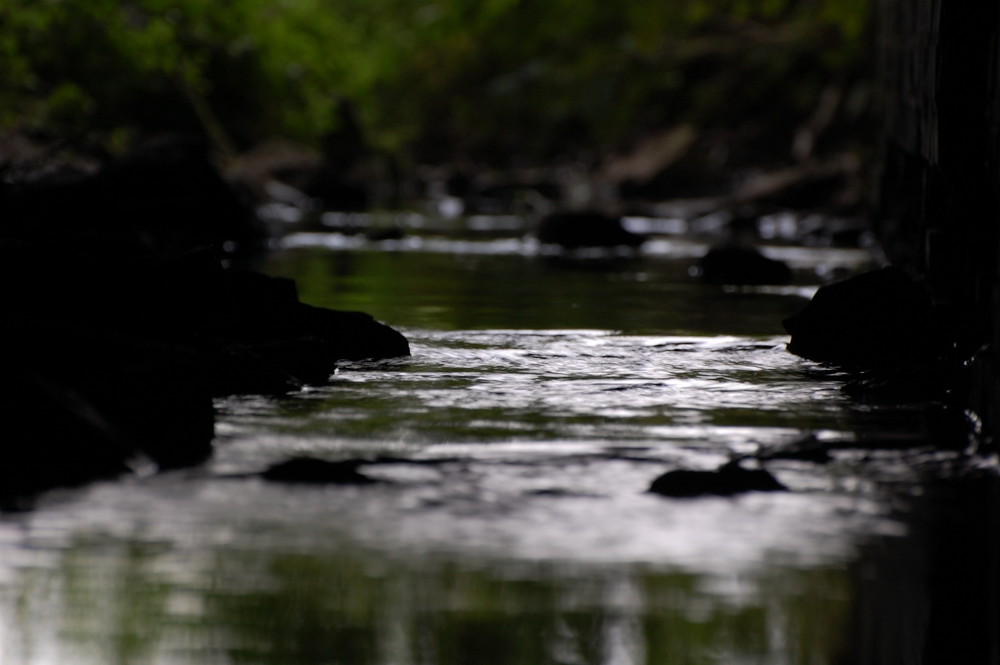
column 270, row 367
column 158, row 296
column 317, row 471
column 164, row 195
column 728, row 480
column 121, row 323
column 741, row 264
column 111, row 356
column 384, row 233
column 53, row 437
column 352, row 335
column 260, row 309
column 877, row 319
column 586, row 229
column 251, row 328
column 80, row 403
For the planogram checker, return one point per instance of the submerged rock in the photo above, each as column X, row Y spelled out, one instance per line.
column 728, row 480
column 586, row 229
column 742, row 264
column 318, row 471
column 877, row 319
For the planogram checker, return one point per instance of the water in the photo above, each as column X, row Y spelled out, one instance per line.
column 542, row 397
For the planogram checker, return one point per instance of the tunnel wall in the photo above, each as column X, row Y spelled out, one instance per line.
column 937, row 204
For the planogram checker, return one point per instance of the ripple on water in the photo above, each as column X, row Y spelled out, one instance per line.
column 537, row 448
column 548, row 440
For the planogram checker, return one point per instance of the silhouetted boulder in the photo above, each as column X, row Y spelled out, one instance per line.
column 879, row 319
column 586, row 229
column 728, row 480
column 311, row 470
column 260, row 311
column 81, row 403
column 742, row 264
column 271, row 367
column 352, row 335
column 164, row 195
column 112, row 354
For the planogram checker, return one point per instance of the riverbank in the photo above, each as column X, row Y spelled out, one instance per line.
column 123, row 322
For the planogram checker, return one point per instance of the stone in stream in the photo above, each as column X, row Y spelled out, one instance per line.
column 251, row 330
column 586, row 229
column 728, row 480
column 311, row 470
column 876, row 320
column 121, row 322
column 79, row 404
column 264, row 335
column 742, row 264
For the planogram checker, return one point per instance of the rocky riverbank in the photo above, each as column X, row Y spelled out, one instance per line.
column 124, row 316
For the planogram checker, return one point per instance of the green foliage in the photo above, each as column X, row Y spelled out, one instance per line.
column 429, row 78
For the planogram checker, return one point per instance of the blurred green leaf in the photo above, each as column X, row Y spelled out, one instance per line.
column 441, row 77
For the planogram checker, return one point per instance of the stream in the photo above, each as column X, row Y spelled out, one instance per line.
column 512, row 523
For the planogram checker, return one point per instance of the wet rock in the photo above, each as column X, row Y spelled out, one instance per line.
column 80, row 403
column 52, row 438
column 353, row 335
column 742, row 264
column 310, row 470
column 259, row 309
column 251, row 329
column 586, row 229
column 878, row 319
column 271, row 367
column 728, row 480
column 112, row 355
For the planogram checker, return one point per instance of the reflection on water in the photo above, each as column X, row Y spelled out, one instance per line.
column 513, row 525
column 132, row 601
column 507, row 287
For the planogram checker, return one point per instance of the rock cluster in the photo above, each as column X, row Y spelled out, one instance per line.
column 121, row 322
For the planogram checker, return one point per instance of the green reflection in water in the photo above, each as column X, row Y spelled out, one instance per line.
column 115, row 603
column 262, row 598
column 265, row 606
column 477, row 292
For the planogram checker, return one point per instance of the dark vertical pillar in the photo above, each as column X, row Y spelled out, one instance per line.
column 938, row 209
column 937, row 215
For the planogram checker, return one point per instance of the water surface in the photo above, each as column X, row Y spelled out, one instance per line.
column 543, row 395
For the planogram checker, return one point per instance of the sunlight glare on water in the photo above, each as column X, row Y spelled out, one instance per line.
column 558, row 433
column 541, row 399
